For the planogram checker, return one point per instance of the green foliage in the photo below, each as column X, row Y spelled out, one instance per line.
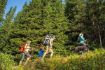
column 87, row 61
column 86, row 16
column 38, row 19
column 6, row 62
column 2, row 6
column 74, row 11
column 5, row 31
column 92, row 20
column 41, row 17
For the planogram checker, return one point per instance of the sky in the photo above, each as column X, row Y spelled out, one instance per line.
column 18, row 3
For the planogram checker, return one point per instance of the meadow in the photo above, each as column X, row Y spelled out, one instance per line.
column 92, row 60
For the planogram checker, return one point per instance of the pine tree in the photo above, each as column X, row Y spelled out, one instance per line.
column 93, row 22
column 75, row 13
column 39, row 18
column 6, row 31
column 2, row 6
column 102, row 21
column 88, row 17
column 28, row 23
column 55, row 22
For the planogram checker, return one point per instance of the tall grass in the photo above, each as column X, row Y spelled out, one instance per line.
column 6, row 62
column 92, row 60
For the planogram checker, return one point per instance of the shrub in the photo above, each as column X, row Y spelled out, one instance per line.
column 6, row 62
column 92, row 60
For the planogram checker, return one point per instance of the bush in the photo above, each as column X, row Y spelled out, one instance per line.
column 6, row 62
column 88, row 61
column 92, row 60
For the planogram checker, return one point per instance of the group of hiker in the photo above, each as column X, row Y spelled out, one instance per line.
column 25, row 48
column 48, row 42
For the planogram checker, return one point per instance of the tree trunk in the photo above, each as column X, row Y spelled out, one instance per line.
column 100, row 38
column 93, row 23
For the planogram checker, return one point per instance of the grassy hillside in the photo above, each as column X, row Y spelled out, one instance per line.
column 92, row 60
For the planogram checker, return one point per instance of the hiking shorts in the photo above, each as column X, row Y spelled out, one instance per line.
column 25, row 54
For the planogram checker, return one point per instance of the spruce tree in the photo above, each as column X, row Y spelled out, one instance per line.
column 56, row 22
column 75, row 13
column 28, row 23
column 39, row 18
column 5, row 31
column 93, row 22
column 88, row 17
column 102, row 21
column 2, row 6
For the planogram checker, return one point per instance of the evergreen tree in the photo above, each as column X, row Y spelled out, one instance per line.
column 102, row 21
column 55, row 22
column 39, row 18
column 86, row 16
column 93, row 22
column 5, row 31
column 2, row 6
column 28, row 23
column 75, row 13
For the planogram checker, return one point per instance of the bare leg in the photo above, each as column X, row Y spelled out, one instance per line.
column 28, row 57
column 45, row 52
column 20, row 62
column 51, row 50
column 23, row 56
column 26, row 61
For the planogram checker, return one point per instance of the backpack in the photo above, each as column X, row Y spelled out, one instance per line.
column 46, row 42
column 22, row 48
column 41, row 52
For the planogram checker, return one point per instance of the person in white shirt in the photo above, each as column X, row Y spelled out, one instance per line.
column 49, row 43
column 26, row 52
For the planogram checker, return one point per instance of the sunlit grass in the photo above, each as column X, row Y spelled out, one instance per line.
column 91, row 60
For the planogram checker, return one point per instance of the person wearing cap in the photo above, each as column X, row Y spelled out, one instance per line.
column 26, row 52
column 49, row 45
column 81, row 39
